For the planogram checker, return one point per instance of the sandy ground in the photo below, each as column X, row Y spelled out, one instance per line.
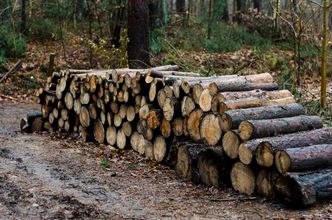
column 44, row 177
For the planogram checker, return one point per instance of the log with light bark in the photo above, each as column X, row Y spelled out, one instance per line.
column 232, row 119
column 253, row 103
column 258, row 93
column 251, row 129
column 264, row 147
column 243, row 178
column 303, row 158
column 187, row 157
column 304, row 189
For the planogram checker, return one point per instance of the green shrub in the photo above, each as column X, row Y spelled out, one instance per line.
column 11, row 44
column 45, row 30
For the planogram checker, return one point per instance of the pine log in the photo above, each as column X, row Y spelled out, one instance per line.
column 84, row 117
column 166, row 128
column 243, row 178
column 304, row 189
column 171, row 108
column 160, row 149
column 121, row 140
column 257, row 93
column 214, row 167
column 271, row 127
column 210, row 131
column 187, row 157
column 303, row 158
column 232, row 119
column 177, row 127
column 234, row 86
column 253, row 103
column 187, row 105
column 264, row 147
column 205, row 100
column 231, row 142
column 99, row 132
column 265, row 183
column 149, row 150
column 193, row 124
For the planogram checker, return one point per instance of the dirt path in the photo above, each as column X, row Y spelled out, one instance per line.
column 48, row 178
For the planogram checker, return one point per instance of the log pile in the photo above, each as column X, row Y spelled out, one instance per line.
column 231, row 130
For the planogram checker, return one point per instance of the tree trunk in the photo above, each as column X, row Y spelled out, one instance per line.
column 304, row 189
column 232, row 119
column 138, row 34
column 257, row 5
column 324, row 54
column 303, row 158
column 271, row 127
column 23, row 17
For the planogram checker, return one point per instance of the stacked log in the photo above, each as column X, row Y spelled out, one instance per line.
column 220, row 131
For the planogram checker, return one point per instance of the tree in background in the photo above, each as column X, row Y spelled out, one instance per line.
column 324, row 53
column 138, row 34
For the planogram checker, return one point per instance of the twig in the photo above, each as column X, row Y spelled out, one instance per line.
column 7, row 97
column 13, row 69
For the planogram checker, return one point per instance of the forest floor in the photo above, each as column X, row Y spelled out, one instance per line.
column 45, row 177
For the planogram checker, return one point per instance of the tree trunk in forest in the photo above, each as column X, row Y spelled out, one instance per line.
column 238, row 5
column 138, row 34
column 180, row 6
column 324, row 54
column 23, row 17
column 257, row 5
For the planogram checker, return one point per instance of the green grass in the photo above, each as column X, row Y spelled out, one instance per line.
column 104, row 163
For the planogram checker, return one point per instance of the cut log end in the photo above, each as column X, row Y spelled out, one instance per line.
column 282, row 161
column 159, row 149
column 205, row 100
column 231, row 143
column 246, row 130
column 243, row 179
column 245, row 154
column 210, row 130
column 264, row 154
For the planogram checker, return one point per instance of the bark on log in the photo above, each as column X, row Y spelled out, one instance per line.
column 264, row 147
column 187, row 158
column 232, row 119
column 214, row 167
column 304, row 189
column 258, row 93
column 303, row 158
column 272, row 127
column 253, row 103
